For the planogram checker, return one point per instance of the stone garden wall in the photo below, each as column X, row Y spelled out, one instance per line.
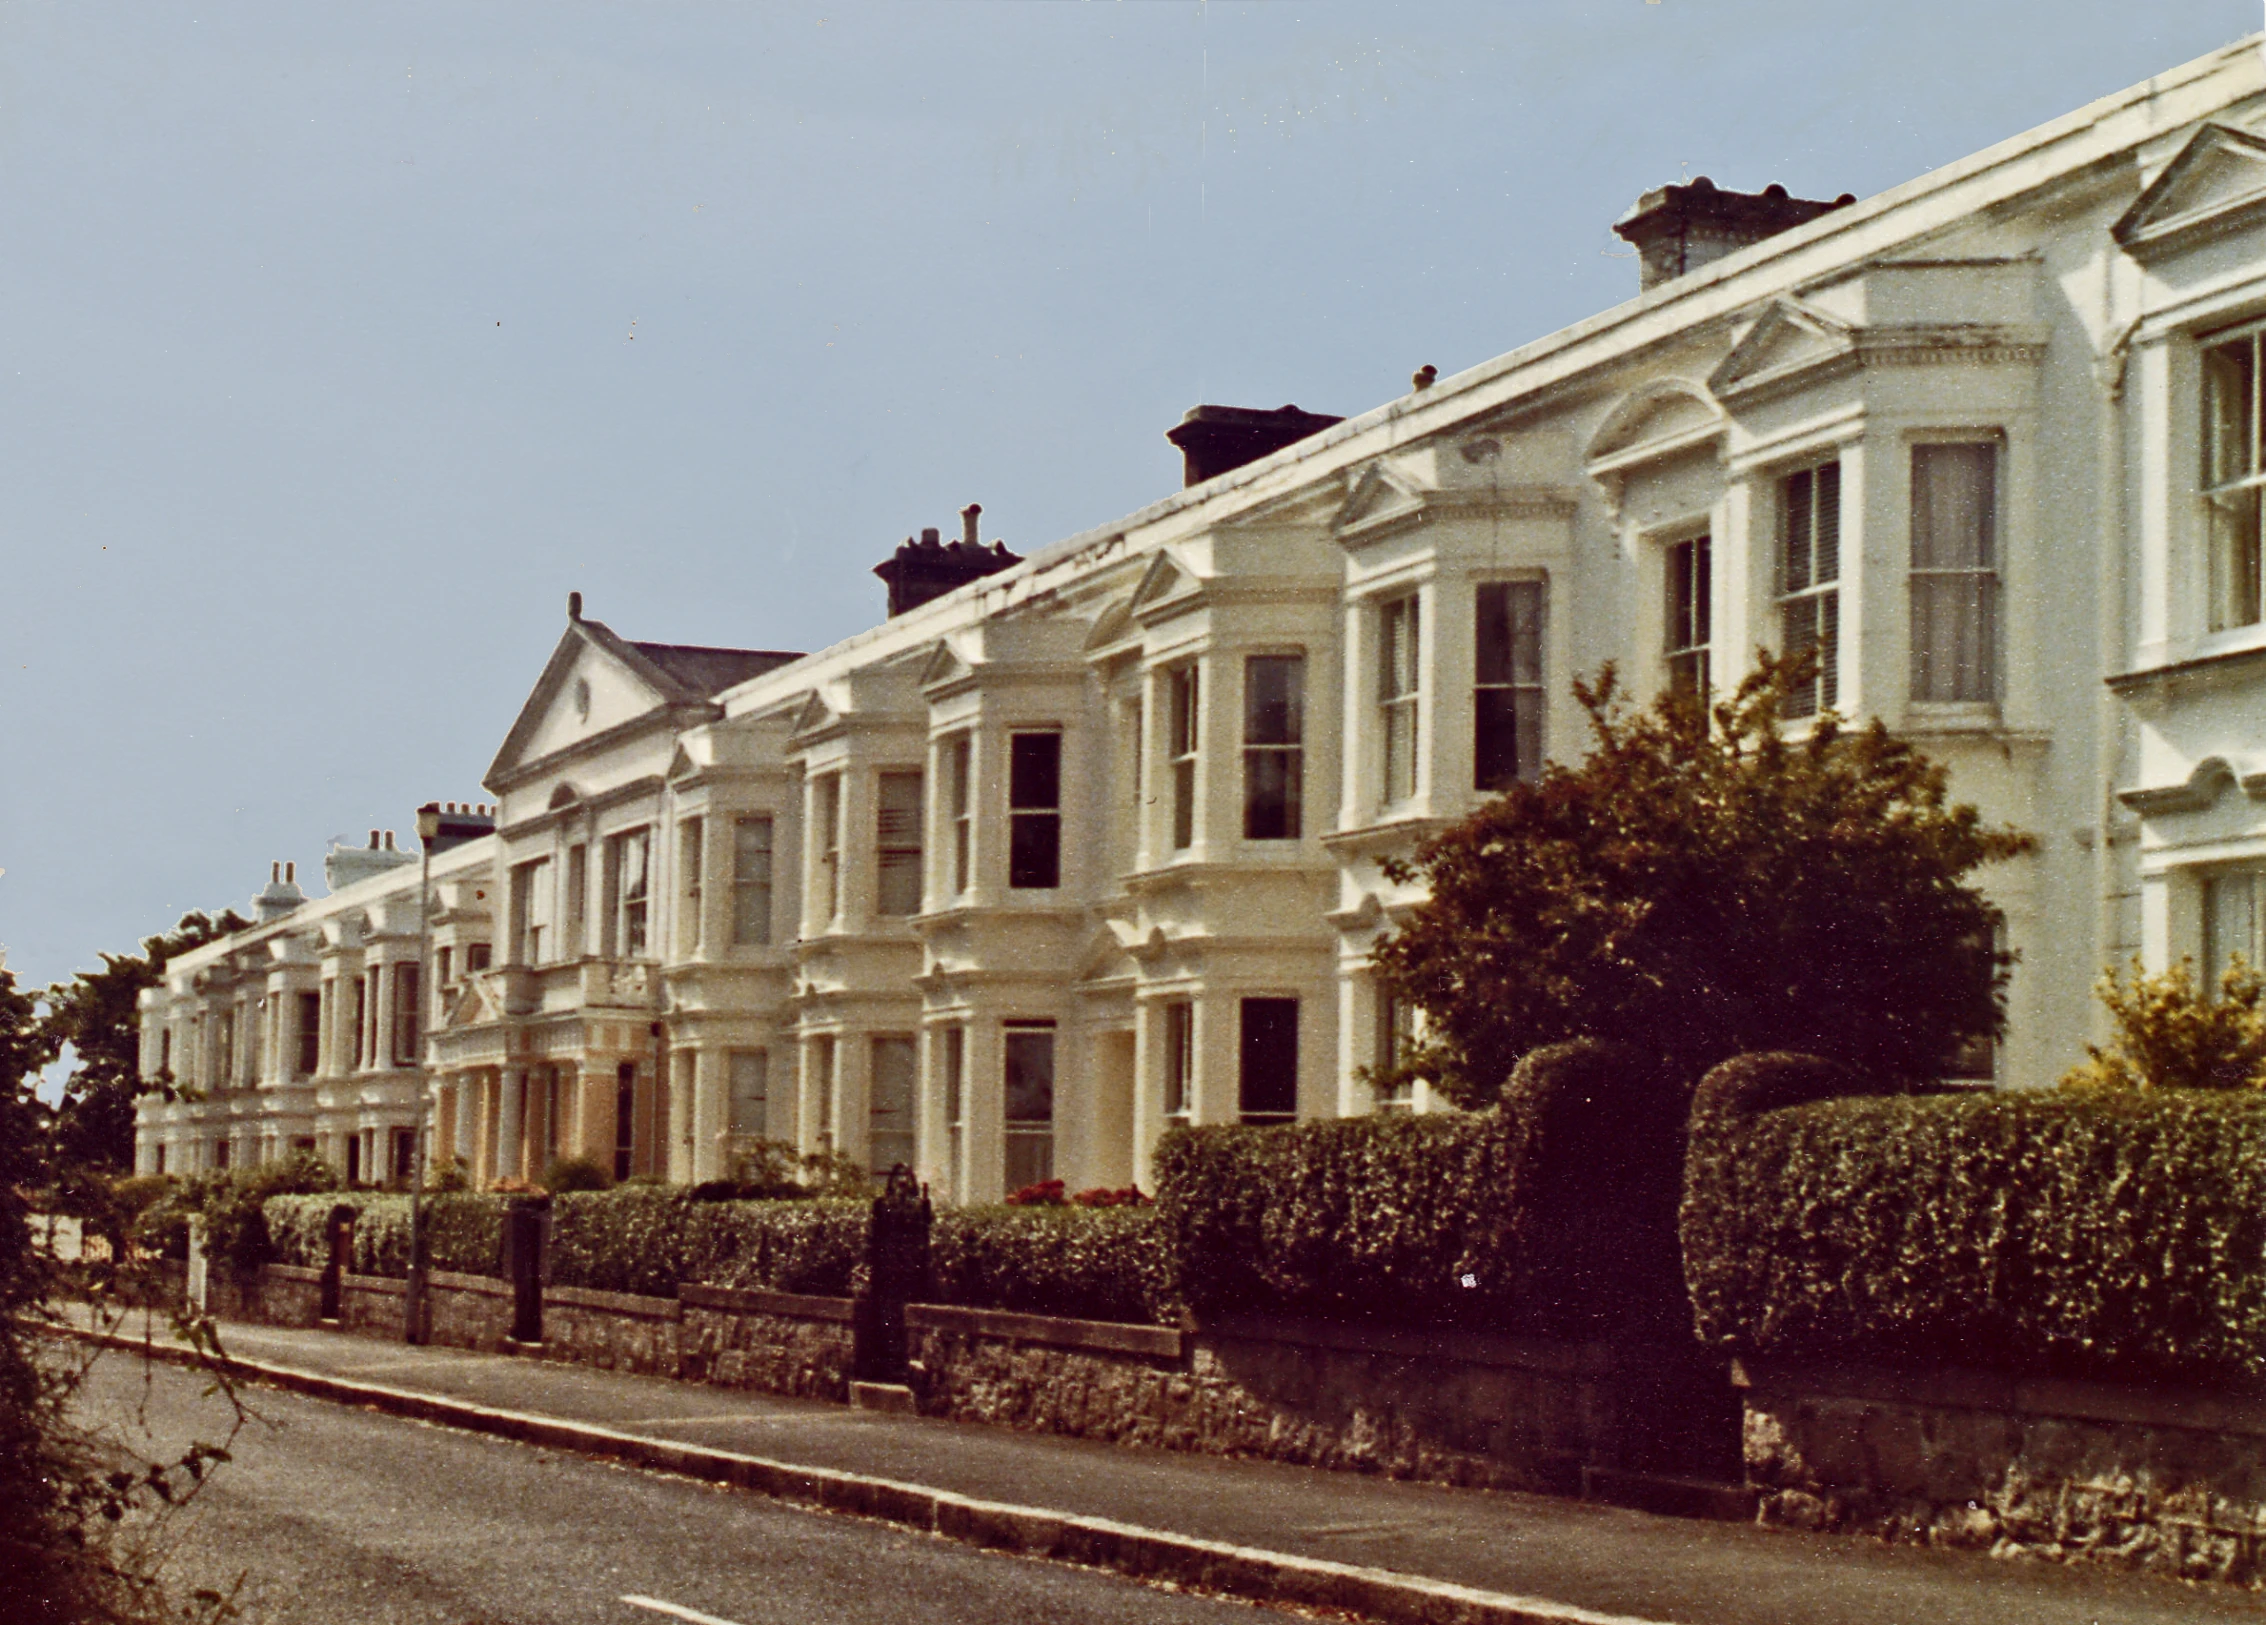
column 2167, row 1479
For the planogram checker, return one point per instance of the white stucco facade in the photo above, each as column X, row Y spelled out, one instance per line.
column 1012, row 881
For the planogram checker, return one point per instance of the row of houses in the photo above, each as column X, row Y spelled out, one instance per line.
column 1071, row 848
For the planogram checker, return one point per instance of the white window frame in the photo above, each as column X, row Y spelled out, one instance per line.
column 1400, row 692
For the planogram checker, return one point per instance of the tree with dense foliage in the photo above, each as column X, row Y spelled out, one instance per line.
column 95, row 1015
column 1701, row 886
column 2172, row 1034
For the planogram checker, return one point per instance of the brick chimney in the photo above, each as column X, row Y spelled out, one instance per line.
column 1676, row 229
column 1214, row 439
column 929, row 568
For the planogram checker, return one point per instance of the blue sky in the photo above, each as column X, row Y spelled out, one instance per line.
column 344, row 341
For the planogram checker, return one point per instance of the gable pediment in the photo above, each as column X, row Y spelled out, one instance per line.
column 1165, row 579
column 1665, row 418
column 814, row 715
column 2215, row 185
column 943, row 666
column 1380, row 500
column 592, row 684
column 1790, row 340
column 1111, row 624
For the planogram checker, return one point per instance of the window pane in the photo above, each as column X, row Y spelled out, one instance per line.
column 1269, row 1073
column 751, row 881
column 1034, row 851
column 2229, row 924
column 1179, row 1057
column 751, row 1087
column 1029, row 1090
column 1034, row 770
column 1271, row 794
column 2235, row 550
column 1827, row 554
column 1030, row 1074
column 1800, row 515
column 1955, row 637
column 1507, row 702
column 898, row 844
column 1273, row 698
column 1954, row 505
column 889, row 1135
column 2229, row 383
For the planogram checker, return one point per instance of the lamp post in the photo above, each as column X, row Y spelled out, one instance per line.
column 413, row 1299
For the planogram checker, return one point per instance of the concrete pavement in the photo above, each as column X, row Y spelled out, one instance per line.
column 1383, row 1549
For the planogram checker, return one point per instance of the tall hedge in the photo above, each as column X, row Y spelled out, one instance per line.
column 1085, row 1263
column 2089, row 1233
column 1551, row 1212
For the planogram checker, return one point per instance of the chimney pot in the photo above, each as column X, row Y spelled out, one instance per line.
column 968, row 517
column 574, row 606
column 275, row 873
column 373, row 840
column 929, row 536
column 389, row 840
column 291, row 874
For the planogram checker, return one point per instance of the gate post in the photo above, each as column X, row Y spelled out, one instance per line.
column 526, row 1229
column 338, row 1253
column 896, row 1270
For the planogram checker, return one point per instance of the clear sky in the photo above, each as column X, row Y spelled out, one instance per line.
column 342, row 342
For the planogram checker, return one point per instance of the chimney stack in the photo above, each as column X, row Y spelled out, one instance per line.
column 928, row 568
column 1676, row 229
column 1215, row 439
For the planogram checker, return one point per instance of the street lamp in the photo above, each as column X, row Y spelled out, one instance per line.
column 413, row 1299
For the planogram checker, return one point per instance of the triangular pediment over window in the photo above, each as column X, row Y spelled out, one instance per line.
column 1379, row 498
column 1664, row 418
column 943, row 665
column 2215, row 185
column 1165, row 578
column 1790, row 340
column 814, row 715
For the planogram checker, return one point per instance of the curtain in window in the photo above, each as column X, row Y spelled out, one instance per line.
column 1955, row 572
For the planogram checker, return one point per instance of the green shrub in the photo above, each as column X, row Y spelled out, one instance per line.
column 628, row 1239
column 1553, row 1212
column 814, row 1246
column 463, row 1231
column 565, row 1174
column 1089, row 1263
column 2172, row 1034
column 231, row 1203
column 2084, row 1233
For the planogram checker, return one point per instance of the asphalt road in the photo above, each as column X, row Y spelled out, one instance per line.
column 337, row 1516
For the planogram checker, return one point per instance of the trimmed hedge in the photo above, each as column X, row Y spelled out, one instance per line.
column 1551, row 1213
column 2092, row 1233
column 1086, row 1263
column 646, row 1239
column 463, row 1231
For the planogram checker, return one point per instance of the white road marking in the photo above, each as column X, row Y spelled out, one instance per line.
column 676, row 1611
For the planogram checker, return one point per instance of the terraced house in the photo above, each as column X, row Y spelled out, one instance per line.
column 1074, row 847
